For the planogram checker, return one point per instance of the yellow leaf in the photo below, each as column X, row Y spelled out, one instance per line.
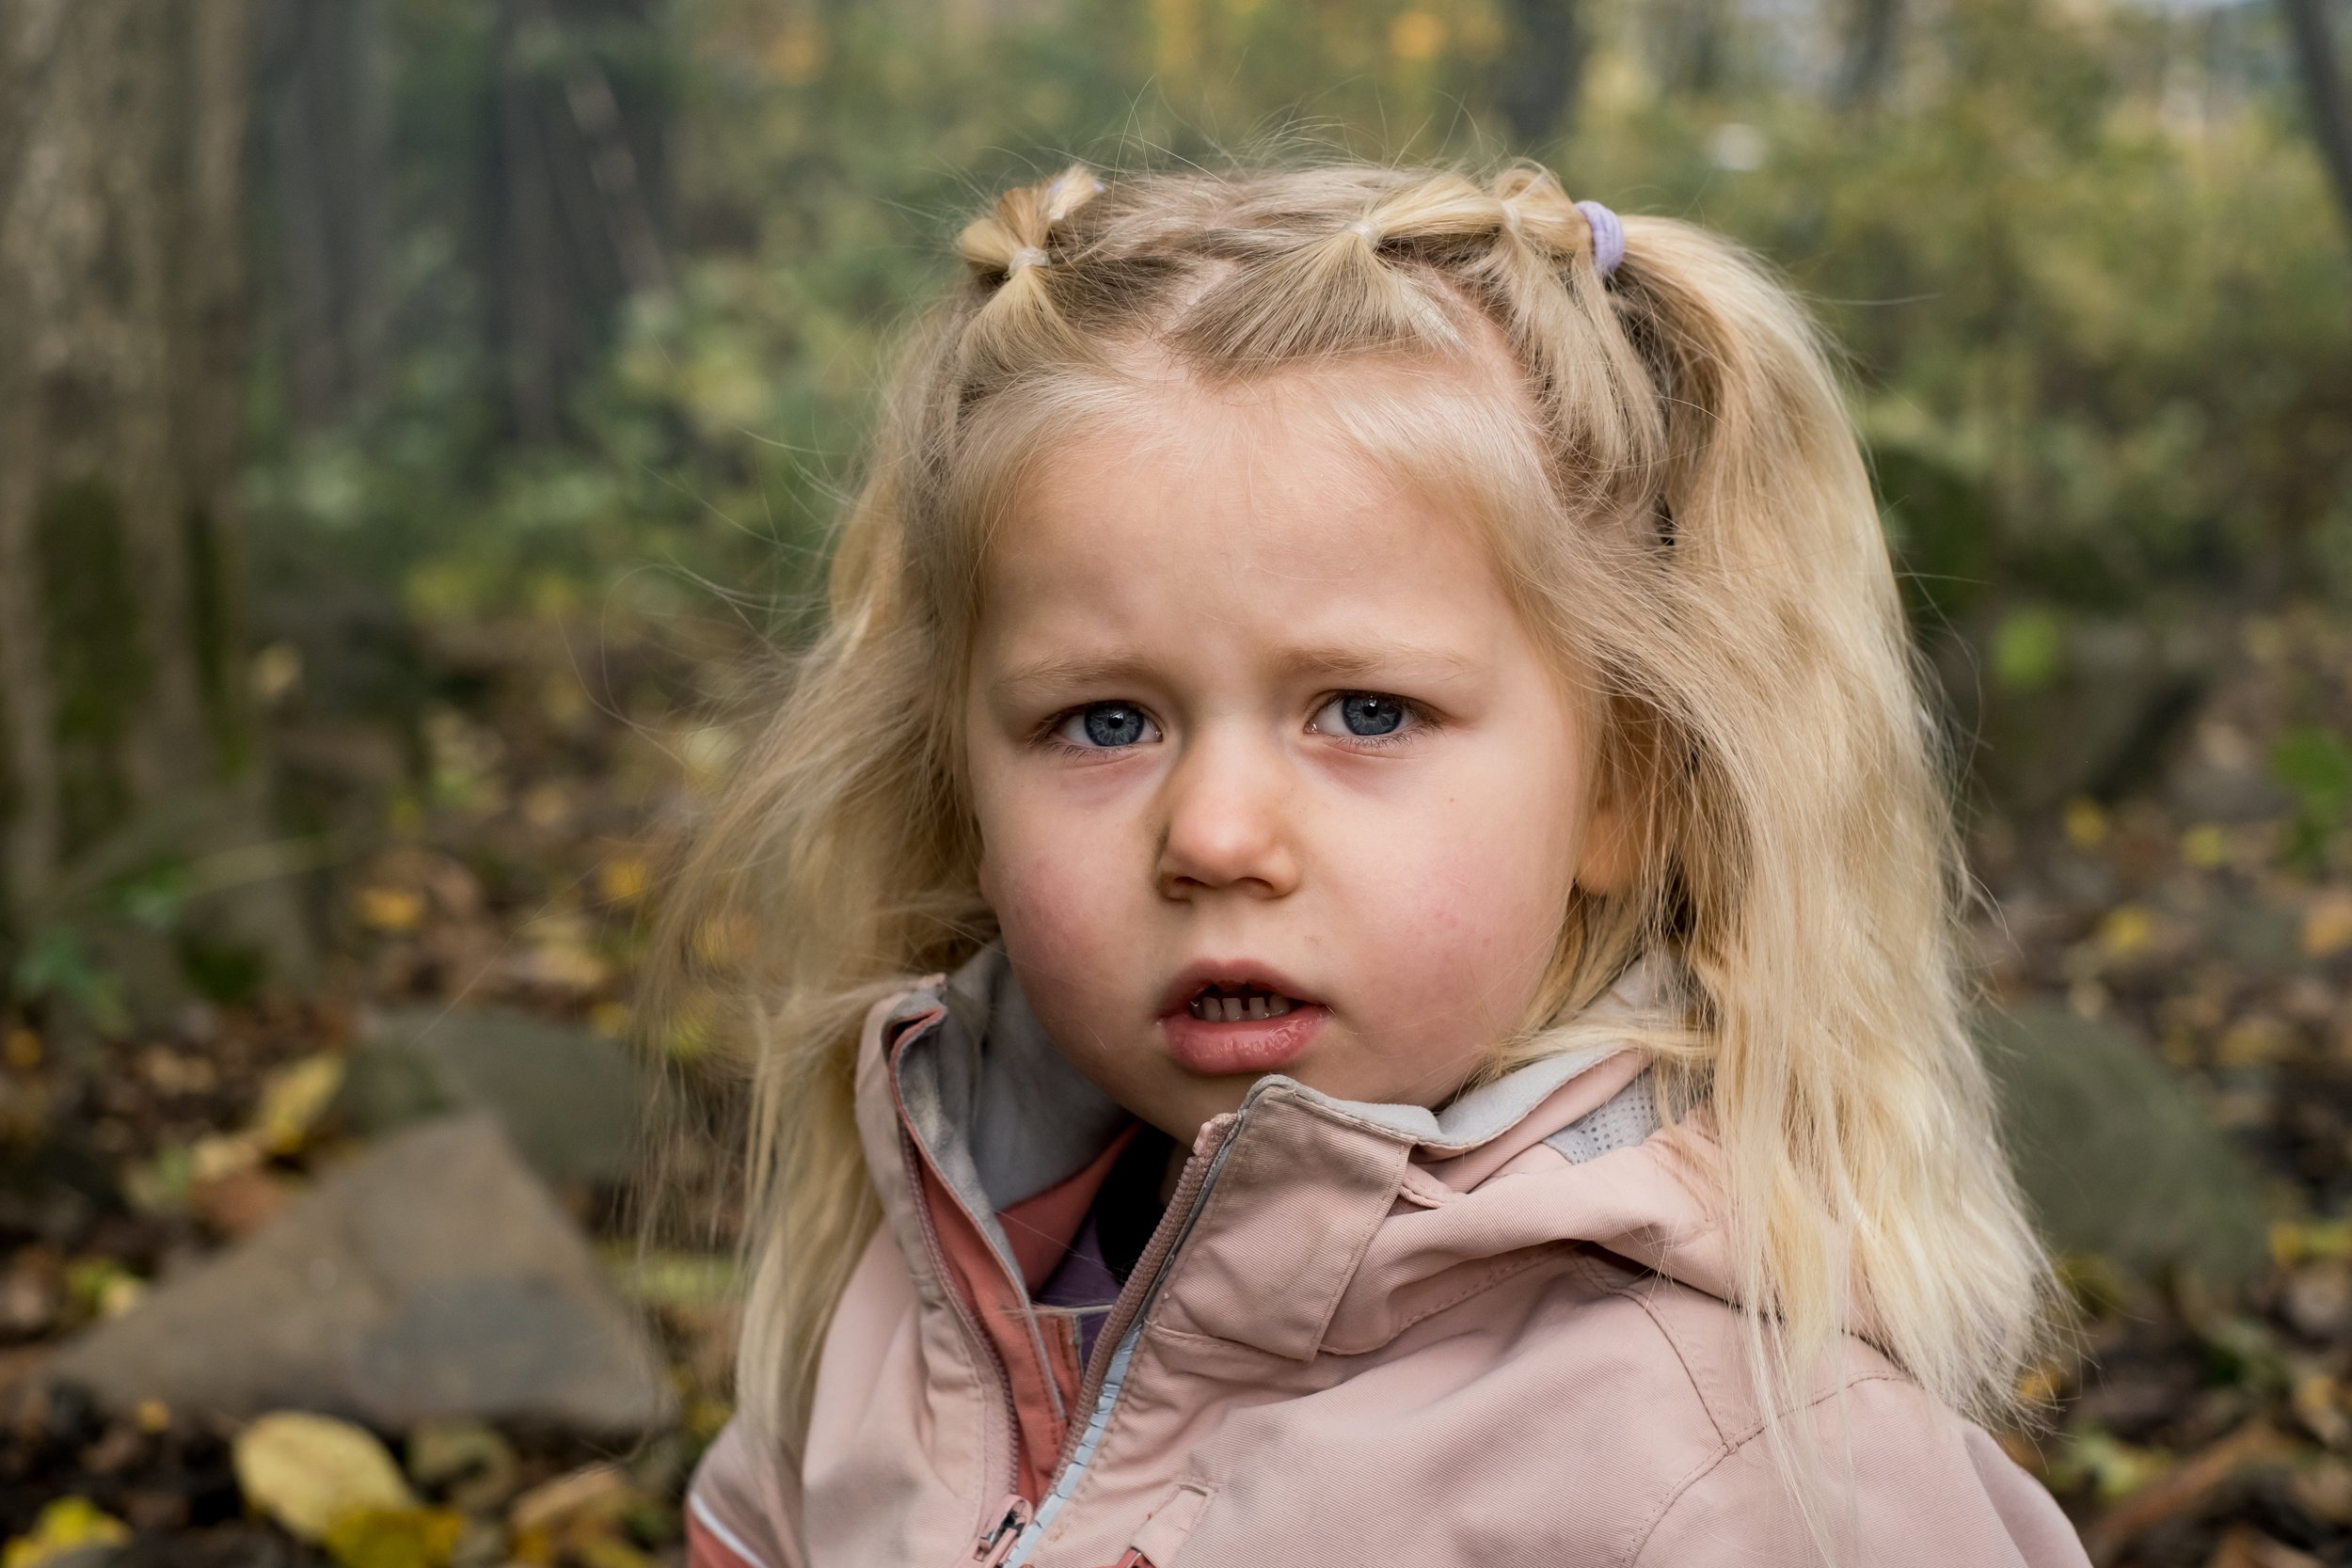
column 2327, row 925
column 308, row 1471
column 63, row 1527
column 1416, row 36
column 622, row 881
column 391, row 909
column 396, row 1537
column 2252, row 1041
column 219, row 1154
column 2206, row 846
column 2086, row 823
column 292, row 1099
column 24, row 1050
column 2127, row 930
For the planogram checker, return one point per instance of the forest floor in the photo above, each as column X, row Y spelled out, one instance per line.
column 2187, row 1429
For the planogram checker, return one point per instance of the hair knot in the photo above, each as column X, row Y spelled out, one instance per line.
column 1027, row 256
column 1364, row 230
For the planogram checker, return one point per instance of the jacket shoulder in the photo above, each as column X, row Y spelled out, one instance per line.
column 1708, row 1337
column 1899, row 1479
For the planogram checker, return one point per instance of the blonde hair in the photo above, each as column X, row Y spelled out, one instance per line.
column 1683, row 513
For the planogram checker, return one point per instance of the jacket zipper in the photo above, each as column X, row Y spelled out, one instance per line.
column 997, row 1544
column 1098, row 1396
column 999, row 1524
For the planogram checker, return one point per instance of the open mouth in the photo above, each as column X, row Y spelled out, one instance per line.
column 1223, row 1002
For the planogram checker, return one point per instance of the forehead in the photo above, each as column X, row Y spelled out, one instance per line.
column 1300, row 509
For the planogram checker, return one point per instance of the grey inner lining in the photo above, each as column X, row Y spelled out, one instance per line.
column 1622, row 1120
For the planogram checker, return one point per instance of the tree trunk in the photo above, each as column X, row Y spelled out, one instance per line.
column 323, row 135
column 1870, row 52
column 128, row 741
column 2322, row 69
column 571, row 217
column 1539, row 81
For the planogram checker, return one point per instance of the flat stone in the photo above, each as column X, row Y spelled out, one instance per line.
column 573, row 1101
column 2116, row 1156
column 434, row 1277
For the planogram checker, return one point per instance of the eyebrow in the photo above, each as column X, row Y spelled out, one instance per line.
column 1333, row 661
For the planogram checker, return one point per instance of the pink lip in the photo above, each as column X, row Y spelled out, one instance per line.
column 1240, row 1045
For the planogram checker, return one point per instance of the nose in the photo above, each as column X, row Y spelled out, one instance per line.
column 1225, row 822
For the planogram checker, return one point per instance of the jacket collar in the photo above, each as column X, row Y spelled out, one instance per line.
column 1327, row 1215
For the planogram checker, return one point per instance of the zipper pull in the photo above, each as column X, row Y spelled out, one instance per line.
column 998, row 1543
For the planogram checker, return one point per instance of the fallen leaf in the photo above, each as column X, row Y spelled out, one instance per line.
column 65, row 1527
column 2204, row 846
column 623, row 881
column 464, row 1462
column 2183, row 1490
column 308, row 1471
column 391, row 909
column 2247, row 1547
column 239, row 1202
column 2328, row 925
column 217, row 1154
column 102, row 1287
column 2127, row 931
column 396, row 1537
column 293, row 1100
column 24, row 1050
column 592, row 1489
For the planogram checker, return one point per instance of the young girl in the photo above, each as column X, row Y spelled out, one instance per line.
column 1356, row 929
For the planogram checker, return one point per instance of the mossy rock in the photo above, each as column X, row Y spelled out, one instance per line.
column 2118, row 1157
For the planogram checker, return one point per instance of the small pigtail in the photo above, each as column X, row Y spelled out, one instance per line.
column 1568, row 329
column 1009, row 251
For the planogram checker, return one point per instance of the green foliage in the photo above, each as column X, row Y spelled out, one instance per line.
column 2316, row 766
column 2029, row 649
column 56, row 965
column 2082, row 262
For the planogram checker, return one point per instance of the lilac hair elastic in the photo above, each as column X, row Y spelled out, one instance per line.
column 1608, row 236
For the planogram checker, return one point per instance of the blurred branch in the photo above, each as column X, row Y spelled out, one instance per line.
column 2321, row 70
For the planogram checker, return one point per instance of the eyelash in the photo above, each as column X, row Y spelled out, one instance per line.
column 1418, row 721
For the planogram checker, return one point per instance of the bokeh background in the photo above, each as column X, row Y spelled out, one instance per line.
column 416, row 417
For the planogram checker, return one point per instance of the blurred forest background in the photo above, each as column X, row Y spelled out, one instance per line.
column 416, row 416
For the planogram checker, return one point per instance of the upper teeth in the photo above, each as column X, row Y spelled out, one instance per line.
column 1212, row 1008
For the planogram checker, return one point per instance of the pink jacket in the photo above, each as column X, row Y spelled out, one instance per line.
column 1495, row 1333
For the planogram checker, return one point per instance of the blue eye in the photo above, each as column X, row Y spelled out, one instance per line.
column 1363, row 714
column 1106, row 727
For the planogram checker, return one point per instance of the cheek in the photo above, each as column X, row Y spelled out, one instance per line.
column 1466, row 913
column 1058, row 896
